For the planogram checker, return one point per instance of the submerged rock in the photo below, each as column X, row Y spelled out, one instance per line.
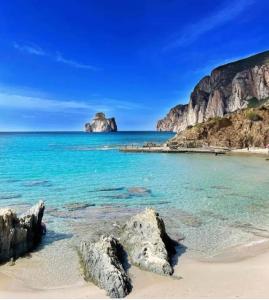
column 139, row 191
column 9, row 196
column 108, row 189
column 102, row 264
column 147, row 243
column 77, row 206
column 101, row 124
column 20, row 235
column 32, row 183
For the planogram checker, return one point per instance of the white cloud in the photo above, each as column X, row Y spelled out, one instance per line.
column 192, row 32
column 33, row 49
column 30, row 49
column 14, row 99
column 72, row 63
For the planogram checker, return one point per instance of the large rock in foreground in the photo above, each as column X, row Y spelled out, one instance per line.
column 147, row 243
column 20, row 235
column 102, row 264
column 101, row 124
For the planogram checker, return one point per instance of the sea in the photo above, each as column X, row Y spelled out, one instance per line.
column 210, row 202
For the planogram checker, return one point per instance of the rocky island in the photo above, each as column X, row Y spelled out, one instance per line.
column 231, row 87
column 101, row 124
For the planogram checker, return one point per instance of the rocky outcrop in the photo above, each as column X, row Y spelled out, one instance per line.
column 101, row 124
column 241, row 129
column 147, row 243
column 231, row 87
column 20, row 235
column 101, row 262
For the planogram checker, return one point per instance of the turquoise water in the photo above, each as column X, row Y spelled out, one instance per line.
column 216, row 201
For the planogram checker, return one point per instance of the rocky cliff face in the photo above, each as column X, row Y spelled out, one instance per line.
column 237, row 85
column 101, row 124
column 244, row 128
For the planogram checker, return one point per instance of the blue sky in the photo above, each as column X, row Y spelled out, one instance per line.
column 62, row 61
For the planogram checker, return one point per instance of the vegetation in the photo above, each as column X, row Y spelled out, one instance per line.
column 254, row 102
column 220, row 122
column 253, row 116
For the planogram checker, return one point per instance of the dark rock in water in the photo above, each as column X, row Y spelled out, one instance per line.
column 13, row 180
column 102, row 264
column 147, row 243
column 220, row 187
column 187, row 218
column 214, row 215
column 31, row 183
column 9, row 196
column 20, row 235
column 120, row 196
column 77, row 206
column 108, row 189
column 139, row 191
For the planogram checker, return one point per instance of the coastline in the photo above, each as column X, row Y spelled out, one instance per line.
column 47, row 273
column 251, row 151
column 192, row 278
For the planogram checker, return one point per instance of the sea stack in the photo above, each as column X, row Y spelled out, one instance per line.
column 101, row 124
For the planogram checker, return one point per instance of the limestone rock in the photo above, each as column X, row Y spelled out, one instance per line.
column 101, row 262
column 101, row 124
column 241, row 129
column 20, row 235
column 147, row 243
column 230, row 87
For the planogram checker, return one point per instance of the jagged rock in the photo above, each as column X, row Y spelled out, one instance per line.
column 231, row 87
column 101, row 124
column 147, row 243
column 20, row 235
column 101, row 262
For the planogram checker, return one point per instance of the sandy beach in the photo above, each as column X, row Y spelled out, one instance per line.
column 241, row 272
column 251, row 150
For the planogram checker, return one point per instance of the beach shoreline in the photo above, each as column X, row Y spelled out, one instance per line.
column 192, row 278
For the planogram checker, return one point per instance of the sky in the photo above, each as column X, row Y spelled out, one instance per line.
column 61, row 61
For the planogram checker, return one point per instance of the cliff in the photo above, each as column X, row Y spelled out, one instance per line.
column 231, row 87
column 101, row 124
column 244, row 128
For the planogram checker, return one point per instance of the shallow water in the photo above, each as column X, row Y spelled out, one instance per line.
column 214, row 201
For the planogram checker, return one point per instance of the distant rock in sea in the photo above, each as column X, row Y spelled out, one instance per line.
column 101, row 124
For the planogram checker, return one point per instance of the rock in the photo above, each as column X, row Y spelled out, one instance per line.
column 32, row 183
column 77, row 206
column 112, row 189
column 9, row 196
column 237, row 130
column 20, row 235
column 138, row 191
column 231, row 87
column 147, row 243
column 101, row 124
column 101, row 262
